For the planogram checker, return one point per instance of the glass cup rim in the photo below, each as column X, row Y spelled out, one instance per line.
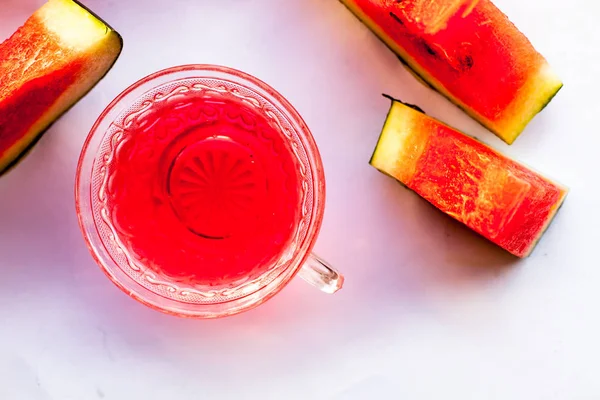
column 95, row 243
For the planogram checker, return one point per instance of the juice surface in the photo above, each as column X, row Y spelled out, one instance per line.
column 204, row 190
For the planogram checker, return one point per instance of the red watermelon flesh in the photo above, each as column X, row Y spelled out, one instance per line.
column 497, row 197
column 46, row 66
column 470, row 52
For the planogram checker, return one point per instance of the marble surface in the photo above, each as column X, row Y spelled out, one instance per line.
column 429, row 309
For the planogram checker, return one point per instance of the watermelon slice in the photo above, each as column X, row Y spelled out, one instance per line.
column 470, row 52
column 46, row 66
column 501, row 199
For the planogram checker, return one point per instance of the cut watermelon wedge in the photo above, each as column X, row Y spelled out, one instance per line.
column 499, row 198
column 471, row 53
column 46, row 66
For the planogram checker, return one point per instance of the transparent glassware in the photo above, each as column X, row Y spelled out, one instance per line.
column 161, row 292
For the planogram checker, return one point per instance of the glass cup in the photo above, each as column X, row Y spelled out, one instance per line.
column 157, row 290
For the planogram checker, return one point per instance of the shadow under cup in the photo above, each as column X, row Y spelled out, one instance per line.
column 168, row 294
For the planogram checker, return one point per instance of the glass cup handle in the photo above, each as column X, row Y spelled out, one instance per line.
column 321, row 275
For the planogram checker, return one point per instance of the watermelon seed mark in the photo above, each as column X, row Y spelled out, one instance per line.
column 466, row 62
column 429, row 49
column 395, row 17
